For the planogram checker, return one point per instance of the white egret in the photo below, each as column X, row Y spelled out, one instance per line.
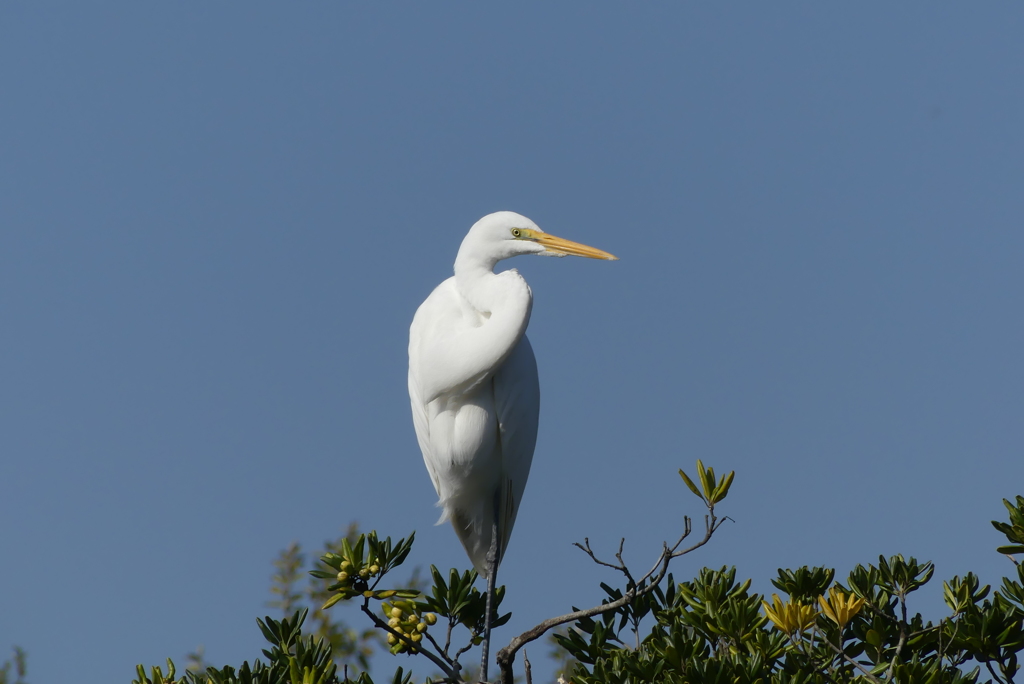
column 474, row 389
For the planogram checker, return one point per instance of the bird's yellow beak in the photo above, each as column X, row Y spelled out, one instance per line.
column 557, row 246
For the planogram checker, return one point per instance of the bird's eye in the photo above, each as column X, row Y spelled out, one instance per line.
column 516, row 232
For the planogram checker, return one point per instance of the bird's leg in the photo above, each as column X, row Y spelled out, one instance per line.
column 492, row 572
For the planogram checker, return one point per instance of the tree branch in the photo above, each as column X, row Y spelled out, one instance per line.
column 450, row 674
column 656, row 574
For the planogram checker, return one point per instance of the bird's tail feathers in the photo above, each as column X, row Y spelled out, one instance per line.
column 473, row 527
column 446, row 512
column 474, row 533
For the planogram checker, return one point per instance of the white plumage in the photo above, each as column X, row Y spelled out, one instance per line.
column 473, row 380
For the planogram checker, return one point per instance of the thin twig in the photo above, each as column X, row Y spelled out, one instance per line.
column 443, row 653
column 999, row 679
column 903, row 636
column 458, row 654
column 585, row 547
column 448, row 637
column 625, row 569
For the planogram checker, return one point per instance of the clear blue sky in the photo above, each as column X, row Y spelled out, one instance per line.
column 217, row 220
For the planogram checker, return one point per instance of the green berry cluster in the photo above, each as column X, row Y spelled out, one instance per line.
column 405, row 618
column 353, row 578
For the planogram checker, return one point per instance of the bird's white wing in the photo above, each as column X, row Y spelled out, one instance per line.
column 439, row 309
column 454, row 348
column 517, row 402
column 422, row 425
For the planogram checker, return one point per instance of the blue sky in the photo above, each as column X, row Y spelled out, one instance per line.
column 216, row 222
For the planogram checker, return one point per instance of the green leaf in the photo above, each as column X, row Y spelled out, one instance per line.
column 346, row 550
column 358, row 549
column 268, row 634
column 690, row 484
column 706, row 483
column 332, row 559
column 403, row 549
column 723, row 487
column 331, row 601
column 320, row 574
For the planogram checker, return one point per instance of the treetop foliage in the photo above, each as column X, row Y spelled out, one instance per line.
column 651, row 628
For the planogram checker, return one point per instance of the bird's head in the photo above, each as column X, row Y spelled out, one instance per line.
column 505, row 234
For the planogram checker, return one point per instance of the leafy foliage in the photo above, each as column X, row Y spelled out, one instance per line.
column 293, row 658
column 1014, row 530
column 360, row 568
column 17, row 665
column 711, row 628
column 293, row 589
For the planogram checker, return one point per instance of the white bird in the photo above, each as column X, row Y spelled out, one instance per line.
column 473, row 384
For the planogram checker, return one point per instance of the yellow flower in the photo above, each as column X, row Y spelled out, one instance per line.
column 789, row 617
column 840, row 607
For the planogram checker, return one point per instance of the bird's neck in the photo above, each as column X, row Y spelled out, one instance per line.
column 489, row 292
column 478, row 284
